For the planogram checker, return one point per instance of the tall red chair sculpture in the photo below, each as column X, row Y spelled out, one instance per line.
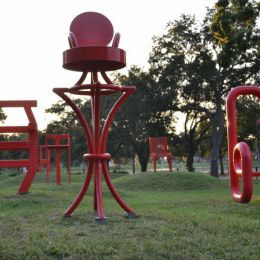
column 54, row 142
column 159, row 148
column 31, row 145
column 90, row 33
column 240, row 158
column 45, row 160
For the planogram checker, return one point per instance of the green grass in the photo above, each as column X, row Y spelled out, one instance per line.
column 180, row 216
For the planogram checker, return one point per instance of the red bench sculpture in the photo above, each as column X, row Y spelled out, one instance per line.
column 54, row 142
column 240, row 158
column 159, row 148
column 31, row 145
column 90, row 33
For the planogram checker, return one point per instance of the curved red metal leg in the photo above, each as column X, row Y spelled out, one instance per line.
column 242, row 161
column 61, row 92
column 128, row 91
column 97, row 147
column 82, row 192
column 115, row 108
column 113, row 190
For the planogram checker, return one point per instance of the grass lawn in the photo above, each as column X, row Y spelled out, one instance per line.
column 181, row 216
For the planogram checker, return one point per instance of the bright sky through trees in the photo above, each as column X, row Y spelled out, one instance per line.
column 34, row 35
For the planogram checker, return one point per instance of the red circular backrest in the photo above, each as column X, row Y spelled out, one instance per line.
column 92, row 29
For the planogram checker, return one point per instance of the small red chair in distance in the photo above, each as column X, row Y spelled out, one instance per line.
column 45, row 161
column 31, row 144
column 159, row 148
column 54, row 142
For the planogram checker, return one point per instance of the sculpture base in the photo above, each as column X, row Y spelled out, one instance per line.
column 67, row 216
column 131, row 215
column 22, row 193
column 101, row 220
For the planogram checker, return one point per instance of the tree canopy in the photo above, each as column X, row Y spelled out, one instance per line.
column 200, row 69
column 192, row 67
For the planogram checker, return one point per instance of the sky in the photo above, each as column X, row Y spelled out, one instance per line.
column 34, row 36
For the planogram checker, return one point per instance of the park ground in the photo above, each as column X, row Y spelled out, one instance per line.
column 180, row 216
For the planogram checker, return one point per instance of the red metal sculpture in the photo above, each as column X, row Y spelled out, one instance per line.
column 45, row 161
column 57, row 146
column 159, row 148
column 90, row 33
column 240, row 158
column 31, row 145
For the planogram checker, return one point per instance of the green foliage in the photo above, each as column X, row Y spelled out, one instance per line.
column 196, row 131
column 143, row 115
column 198, row 70
column 13, row 154
column 182, row 60
column 66, row 117
column 248, row 111
column 234, row 21
column 2, row 115
column 192, row 68
column 67, row 122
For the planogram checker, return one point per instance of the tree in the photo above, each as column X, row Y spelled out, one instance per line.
column 143, row 115
column 236, row 41
column 192, row 63
column 180, row 60
column 67, row 122
column 138, row 119
column 195, row 130
column 248, row 115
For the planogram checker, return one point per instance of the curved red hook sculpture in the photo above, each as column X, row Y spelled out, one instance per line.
column 90, row 33
column 240, row 158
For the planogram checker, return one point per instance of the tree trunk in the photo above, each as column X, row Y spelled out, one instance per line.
column 143, row 156
column 189, row 163
column 222, row 172
column 143, row 160
column 221, row 157
column 217, row 135
column 133, row 163
column 144, row 163
column 214, row 156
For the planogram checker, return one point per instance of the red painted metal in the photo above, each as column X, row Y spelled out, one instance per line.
column 45, row 161
column 159, row 148
column 240, row 158
column 89, row 53
column 31, row 145
column 57, row 146
column 97, row 32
